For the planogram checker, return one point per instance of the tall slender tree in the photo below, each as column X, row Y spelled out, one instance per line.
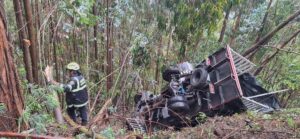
column 109, row 48
column 95, row 31
column 11, row 95
column 235, row 28
column 228, row 8
column 266, row 38
column 32, row 36
column 22, row 40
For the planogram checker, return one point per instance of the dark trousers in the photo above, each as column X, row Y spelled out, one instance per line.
column 82, row 111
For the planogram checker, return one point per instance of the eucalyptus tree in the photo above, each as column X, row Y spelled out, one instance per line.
column 11, row 94
column 32, row 37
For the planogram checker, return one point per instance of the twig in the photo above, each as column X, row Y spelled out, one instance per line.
column 121, row 69
column 100, row 114
column 133, row 136
column 280, row 49
column 231, row 133
column 82, row 128
column 268, row 131
column 96, row 98
column 103, row 79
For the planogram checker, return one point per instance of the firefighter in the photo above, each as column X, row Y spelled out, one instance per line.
column 76, row 93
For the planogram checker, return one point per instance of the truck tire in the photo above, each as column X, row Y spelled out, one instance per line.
column 199, row 78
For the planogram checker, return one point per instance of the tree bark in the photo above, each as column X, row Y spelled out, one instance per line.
column 95, row 32
column 159, row 53
column 170, row 42
column 235, row 28
column 109, row 49
column 261, row 29
column 265, row 61
column 32, row 37
column 11, row 95
column 22, row 37
column 225, row 23
column 267, row 37
column 37, row 10
column 53, row 39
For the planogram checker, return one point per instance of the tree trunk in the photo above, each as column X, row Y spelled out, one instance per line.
column 261, row 30
column 267, row 37
column 11, row 95
column 170, row 42
column 224, row 24
column 263, row 22
column 157, row 71
column 265, row 61
column 95, row 32
column 32, row 37
column 37, row 17
column 22, row 37
column 235, row 28
column 109, row 49
column 53, row 39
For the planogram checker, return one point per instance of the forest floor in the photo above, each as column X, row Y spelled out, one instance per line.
column 279, row 125
column 283, row 124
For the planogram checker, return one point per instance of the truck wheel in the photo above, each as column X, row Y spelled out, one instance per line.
column 198, row 78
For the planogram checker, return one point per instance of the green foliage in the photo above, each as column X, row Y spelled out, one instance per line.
column 201, row 117
column 2, row 108
column 267, row 116
column 142, row 26
column 80, row 10
column 252, row 115
column 290, row 121
column 286, row 77
column 40, row 122
column 192, row 19
column 39, row 104
column 108, row 133
column 140, row 53
column 161, row 22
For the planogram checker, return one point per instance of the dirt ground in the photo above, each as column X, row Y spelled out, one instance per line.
column 283, row 124
column 249, row 125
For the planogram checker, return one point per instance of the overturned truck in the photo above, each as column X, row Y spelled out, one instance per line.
column 219, row 85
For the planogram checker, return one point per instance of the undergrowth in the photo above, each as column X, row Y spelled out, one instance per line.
column 39, row 105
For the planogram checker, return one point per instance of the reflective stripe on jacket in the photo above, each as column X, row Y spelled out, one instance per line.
column 76, row 92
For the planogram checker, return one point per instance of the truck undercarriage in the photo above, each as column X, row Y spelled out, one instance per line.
column 222, row 84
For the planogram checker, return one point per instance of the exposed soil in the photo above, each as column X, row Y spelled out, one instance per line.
column 279, row 125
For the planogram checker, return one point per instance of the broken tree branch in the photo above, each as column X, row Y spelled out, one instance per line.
column 82, row 128
column 100, row 115
column 96, row 98
column 284, row 50
column 267, row 37
column 266, row 60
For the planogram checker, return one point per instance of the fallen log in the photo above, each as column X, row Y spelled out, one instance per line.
column 25, row 136
column 82, row 128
